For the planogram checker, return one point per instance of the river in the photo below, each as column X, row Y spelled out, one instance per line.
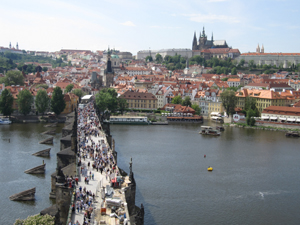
column 16, row 157
column 255, row 178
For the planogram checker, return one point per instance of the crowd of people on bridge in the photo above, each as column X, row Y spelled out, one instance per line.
column 93, row 157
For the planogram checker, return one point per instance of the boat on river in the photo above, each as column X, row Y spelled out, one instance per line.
column 208, row 130
column 210, row 169
column 5, row 121
column 220, row 128
column 292, row 134
column 138, row 120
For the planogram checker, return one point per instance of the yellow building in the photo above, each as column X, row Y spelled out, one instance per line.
column 215, row 107
column 140, row 100
column 71, row 102
column 264, row 98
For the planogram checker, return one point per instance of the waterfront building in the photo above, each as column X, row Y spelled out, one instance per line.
column 216, row 107
column 264, row 98
column 139, row 100
column 281, row 114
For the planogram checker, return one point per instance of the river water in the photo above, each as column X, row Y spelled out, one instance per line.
column 255, row 178
column 16, row 157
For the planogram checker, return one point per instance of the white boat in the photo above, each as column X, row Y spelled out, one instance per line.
column 207, row 130
column 129, row 120
column 5, row 121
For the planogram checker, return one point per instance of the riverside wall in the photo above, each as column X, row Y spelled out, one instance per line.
column 67, row 159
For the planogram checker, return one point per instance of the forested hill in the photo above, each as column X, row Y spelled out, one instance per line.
column 10, row 61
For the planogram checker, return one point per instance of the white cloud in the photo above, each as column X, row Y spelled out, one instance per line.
column 210, row 18
column 129, row 24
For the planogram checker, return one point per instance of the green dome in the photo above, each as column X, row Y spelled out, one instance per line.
column 114, row 56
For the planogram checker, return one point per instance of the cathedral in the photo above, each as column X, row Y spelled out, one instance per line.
column 203, row 43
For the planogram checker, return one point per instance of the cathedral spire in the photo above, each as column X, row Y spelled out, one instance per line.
column 212, row 37
column 194, row 47
column 262, row 49
column 203, row 33
column 258, row 49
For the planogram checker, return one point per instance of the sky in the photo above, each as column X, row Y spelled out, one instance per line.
column 133, row 25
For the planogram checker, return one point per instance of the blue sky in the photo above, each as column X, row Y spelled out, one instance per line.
column 133, row 25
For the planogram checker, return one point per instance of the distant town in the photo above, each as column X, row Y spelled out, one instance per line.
column 156, row 79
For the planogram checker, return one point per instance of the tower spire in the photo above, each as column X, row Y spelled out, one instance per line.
column 212, row 36
column 194, row 47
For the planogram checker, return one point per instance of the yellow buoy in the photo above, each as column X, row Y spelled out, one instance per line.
column 209, row 169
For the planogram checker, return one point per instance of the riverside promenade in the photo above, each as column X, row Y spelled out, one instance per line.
column 96, row 202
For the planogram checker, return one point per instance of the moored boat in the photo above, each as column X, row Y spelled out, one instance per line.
column 208, row 130
column 292, row 134
column 5, row 121
column 139, row 120
column 220, row 128
column 210, row 169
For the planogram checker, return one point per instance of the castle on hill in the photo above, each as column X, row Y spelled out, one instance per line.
column 202, row 43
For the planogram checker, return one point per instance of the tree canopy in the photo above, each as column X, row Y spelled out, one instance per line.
column 106, row 99
column 158, row 58
column 25, row 99
column 78, row 92
column 6, row 102
column 36, row 219
column 229, row 101
column 69, row 88
column 177, row 100
column 197, row 109
column 58, row 103
column 187, row 101
column 122, row 105
column 13, row 77
column 42, row 101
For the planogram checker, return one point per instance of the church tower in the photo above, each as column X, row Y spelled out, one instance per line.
column 9, row 44
column 257, row 49
column 202, row 40
column 262, row 49
column 194, row 46
column 109, row 73
column 17, row 46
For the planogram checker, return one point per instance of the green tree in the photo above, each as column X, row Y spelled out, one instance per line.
column 158, row 58
column 45, row 69
column 251, row 64
column 25, row 99
column 42, row 101
column 58, row 103
column 149, row 58
column 241, row 63
column 69, row 88
column 250, row 117
column 13, row 78
column 177, row 100
column 233, row 71
column 106, row 99
column 78, row 92
column 45, row 86
column 187, row 101
column 122, row 105
column 6, row 102
column 229, row 101
column 197, row 109
column 36, row 219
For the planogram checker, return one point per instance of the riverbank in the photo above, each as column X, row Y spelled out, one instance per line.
column 263, row 127
column 38, row 119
